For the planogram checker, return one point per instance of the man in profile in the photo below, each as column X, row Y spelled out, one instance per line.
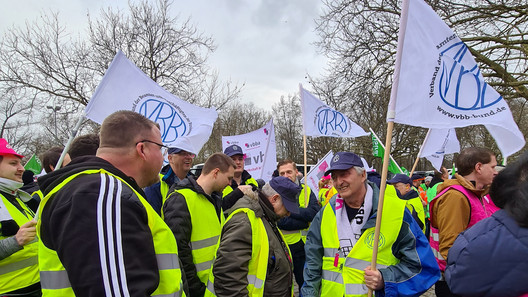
column 99, row 236
column 461, row 202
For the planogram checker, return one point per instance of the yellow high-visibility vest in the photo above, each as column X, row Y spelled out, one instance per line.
column 20, row 269
column 345, row 276
column 206, row 229
column 55, row 281
column 258, row 265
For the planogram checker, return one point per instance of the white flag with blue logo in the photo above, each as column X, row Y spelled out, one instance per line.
column 441, row 86
column 321, row 120
column 125, row 87
column 438, row 143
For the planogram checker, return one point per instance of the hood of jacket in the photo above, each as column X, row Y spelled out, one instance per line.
column 190, row 183
column 459, row 180
column 52, row 179
column 258, row 203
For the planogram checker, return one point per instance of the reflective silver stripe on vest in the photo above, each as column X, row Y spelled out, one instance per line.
column 360, row 264
column 176, row 294
column 255, row 281
column 356, row 289
column 203, row 266
column 435, row 236
column 210, row 287
column 4, row 269
column 167, row 261
column 203, row 243
column 54, row 280
column 328, row 252
column 304, row 232
column 332, row 276
column 437, row 255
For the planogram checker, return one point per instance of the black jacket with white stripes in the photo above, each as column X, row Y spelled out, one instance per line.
column 77, row 229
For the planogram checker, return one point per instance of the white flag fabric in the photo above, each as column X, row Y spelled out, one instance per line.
column 438, row 143
column 259, row 150
column 441, row 86
column 125, row 87
column 321, row 120
column 317, row 172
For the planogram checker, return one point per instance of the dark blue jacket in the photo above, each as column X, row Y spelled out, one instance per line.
column 153, row 193
column 490, row 259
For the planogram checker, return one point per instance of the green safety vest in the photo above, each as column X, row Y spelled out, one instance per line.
column 20, row 269
column 206, row 229
column 229, row 189
column 347, row 278
column 293, row 236
column 55, row 280
column 258, row 265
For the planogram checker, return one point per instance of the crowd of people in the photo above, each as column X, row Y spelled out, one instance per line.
column 112, row 222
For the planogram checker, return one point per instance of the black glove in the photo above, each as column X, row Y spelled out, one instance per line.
column 9, row 228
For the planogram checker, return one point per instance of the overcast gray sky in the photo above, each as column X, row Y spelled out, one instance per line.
column 268, row 44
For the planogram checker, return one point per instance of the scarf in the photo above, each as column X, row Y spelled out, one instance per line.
column 349, row 232
column 12, row 187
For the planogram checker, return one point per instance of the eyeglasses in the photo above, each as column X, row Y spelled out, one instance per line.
column 163, row 148
column 185, row 154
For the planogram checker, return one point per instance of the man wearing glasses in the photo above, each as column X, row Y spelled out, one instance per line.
column 99, row 236
column 180, row 163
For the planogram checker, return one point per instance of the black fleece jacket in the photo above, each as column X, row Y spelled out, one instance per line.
column 75, row 224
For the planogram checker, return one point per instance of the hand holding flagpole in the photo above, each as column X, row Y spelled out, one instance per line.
column 390, row 125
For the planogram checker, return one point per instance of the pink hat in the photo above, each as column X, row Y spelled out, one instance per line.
column 6, row 149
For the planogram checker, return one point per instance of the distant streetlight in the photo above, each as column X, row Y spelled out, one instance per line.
column 54, row 109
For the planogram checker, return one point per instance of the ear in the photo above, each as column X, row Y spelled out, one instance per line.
column 215, row 172
column 140, row 150
column 478, row 167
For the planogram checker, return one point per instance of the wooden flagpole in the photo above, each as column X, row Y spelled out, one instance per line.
column 391, row 114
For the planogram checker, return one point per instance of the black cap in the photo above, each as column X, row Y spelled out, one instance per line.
column 288, row 190
column 233, row 150
column 344, row 161
column 417, row 177
column 400, row 178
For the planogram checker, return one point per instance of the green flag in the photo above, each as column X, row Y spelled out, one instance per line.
column 379, row 151
column 34, row 165
column 377, row 148
column 453, row 171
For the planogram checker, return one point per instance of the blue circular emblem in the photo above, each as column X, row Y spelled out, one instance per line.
column 172, row 124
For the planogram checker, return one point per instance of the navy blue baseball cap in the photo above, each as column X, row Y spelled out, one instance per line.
column 344, row 161
column 174, row 150
column 417, row 177
column 233, row 150
column 288, row 190
column 400, row 178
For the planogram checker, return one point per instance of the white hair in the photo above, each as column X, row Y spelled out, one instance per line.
column 268, row 191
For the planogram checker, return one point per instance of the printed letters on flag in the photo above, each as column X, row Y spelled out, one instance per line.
column 125, row 87
column 321, row 120
column 259, row 148
column 441, row 84
column 379, row 151
column 34, row 165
